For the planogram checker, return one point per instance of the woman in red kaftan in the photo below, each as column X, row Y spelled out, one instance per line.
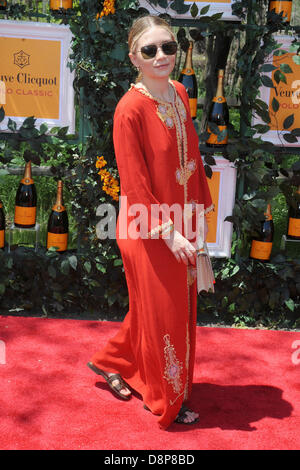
column 159, row 164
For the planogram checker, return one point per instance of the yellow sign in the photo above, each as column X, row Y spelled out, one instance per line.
column 30, row 70
column 287, row 94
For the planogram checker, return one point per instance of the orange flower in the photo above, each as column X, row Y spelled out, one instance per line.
column 100, row 163
column 110, row 184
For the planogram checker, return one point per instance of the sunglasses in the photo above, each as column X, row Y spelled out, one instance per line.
column 168, row 48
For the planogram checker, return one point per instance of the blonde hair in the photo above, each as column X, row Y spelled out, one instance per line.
column 139, row 27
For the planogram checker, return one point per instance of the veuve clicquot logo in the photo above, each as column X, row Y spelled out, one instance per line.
column 58, row 225
column 26, row 201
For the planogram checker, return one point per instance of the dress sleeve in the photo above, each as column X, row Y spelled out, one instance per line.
column 135, row 179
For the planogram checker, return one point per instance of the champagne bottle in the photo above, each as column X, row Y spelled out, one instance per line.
column 293, row 232
column 26, row 199
column 3, row 4
column 218, row 114
column 188, row 79
column 282, row 6
column 261, row 246
column 2, row 226
column 61, row 4
column 58, row 225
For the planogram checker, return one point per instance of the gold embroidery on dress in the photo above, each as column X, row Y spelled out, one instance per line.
column 160, row 228
column 183, row 174
column 173, row 369
column 165, row 114
column 187, row 358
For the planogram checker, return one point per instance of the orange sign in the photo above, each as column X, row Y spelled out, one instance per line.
column 212, row 216
column 30, row 70
column 213, row 1
column 287, row 94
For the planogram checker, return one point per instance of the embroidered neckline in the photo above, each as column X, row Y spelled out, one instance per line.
column 158, row 100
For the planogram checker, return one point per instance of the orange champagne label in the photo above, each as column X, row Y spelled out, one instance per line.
column 219, row 99
column 213, row 138
column 193, row 106
column 2, row 238
column 188, row 72
column 27, row 181
column 280, row 6
column 58, row 208
column 56, row 4
column 261, row 250
column 60, row 240
column 25, row 215
column 294, row 227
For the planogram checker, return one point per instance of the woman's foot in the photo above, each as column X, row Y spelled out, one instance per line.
column 119, row 384
column 186, row 416
column 115, row 382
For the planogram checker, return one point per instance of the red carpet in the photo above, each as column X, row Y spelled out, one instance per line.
column 246, row 390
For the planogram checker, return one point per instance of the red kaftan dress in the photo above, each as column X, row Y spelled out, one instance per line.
column 159, row 164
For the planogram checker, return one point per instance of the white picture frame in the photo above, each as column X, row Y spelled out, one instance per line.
column 215, row 7
column 266, row 95
column 224, row 202
column 49, row 32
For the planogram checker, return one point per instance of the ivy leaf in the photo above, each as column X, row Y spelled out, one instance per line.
column 288, row 122
column 290, row 304
column 279, row 77
column 28, row 123
column 209, row 159
column 216, row 16
column 2, row 114
column 268, row 68
column 163, row 3
column 285, row 68
column 267, row 81
column 119, row 52
column 280, row 52
column 204, row 10
column 296, row 59
column 261, row 129
column 291, row 139
column 179, row 6
column 296, row 132
column 87, row 266
column 12, row 126
column 73, row 262
column 194, row 10
column 275, row 105
column 208, row 171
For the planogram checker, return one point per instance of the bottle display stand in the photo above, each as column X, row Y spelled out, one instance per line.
column 285, row 240
column 29, row 236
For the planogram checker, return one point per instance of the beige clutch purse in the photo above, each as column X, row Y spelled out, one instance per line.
column 205, row 275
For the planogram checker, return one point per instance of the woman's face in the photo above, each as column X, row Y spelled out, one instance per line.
column 161, row 65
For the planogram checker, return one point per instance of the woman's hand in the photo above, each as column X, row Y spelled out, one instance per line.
column 181, row 248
